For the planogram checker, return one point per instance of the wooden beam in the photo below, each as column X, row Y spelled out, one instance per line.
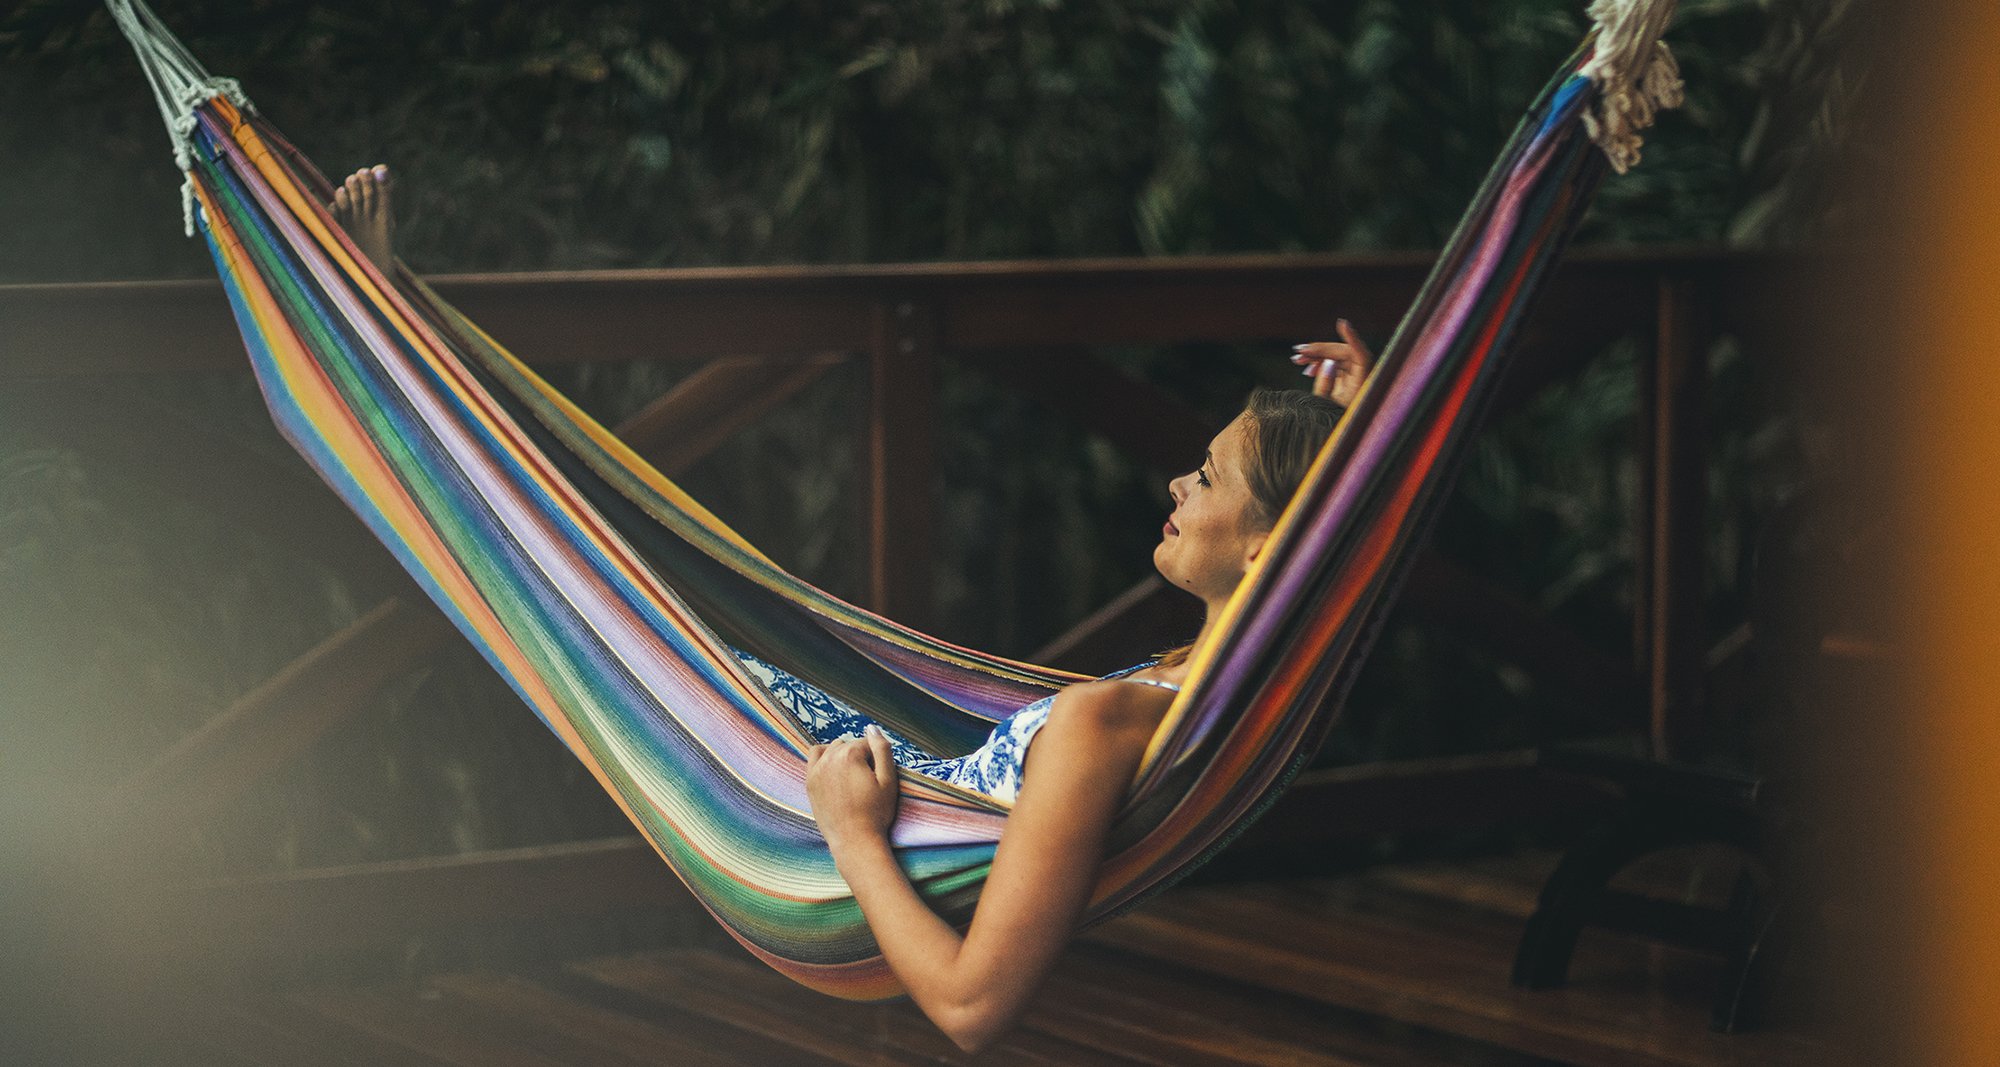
column 599, row 316
column 274, row 721
column 709, row 406
column 902, row 464
column 1143, row 620
column 1676, row 459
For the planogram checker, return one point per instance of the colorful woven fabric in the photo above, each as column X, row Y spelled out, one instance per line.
column 609, row 599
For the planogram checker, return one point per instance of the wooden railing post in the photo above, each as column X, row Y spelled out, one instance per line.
column 901, row 466
column 1669, row 628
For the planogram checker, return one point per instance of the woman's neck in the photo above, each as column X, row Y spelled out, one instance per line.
column 1210, row 613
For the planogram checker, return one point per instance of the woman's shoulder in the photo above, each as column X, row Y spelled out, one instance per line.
column 1114, row 704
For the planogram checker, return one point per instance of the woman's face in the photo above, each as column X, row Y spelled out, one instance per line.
column 1214, row 531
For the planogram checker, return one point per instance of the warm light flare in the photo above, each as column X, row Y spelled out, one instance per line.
column 1951, row 355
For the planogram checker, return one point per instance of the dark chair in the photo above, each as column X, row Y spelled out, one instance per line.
column 1665, row 805
column 1804, row 609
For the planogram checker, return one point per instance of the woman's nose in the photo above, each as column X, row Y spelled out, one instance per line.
column 1176, row 489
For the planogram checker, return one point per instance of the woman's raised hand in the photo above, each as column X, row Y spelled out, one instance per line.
column 1337, row 368
column 852, row 786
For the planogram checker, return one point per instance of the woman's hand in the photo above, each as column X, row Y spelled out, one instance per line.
column 1337, row 368
column 852, row 786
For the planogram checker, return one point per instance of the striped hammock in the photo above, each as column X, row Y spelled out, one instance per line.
column 610, row 600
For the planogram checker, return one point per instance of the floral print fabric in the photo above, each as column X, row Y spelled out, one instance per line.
column 994, row 768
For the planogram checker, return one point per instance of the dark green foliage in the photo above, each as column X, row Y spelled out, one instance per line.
column 629, row 134
column 619, row 134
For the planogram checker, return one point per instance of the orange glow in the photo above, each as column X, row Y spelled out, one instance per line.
column 1950, row 352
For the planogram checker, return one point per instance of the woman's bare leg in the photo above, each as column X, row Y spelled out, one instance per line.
column 361, row 206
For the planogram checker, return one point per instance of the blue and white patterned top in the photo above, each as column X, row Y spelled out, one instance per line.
column 994, row 768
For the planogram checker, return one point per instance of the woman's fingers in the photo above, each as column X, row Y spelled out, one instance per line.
column 878, row 751
column 1364, row 359
column 1326, row 375
column 1336, row 367
column 848, row 748
column 1324, row 362
column 870, row 752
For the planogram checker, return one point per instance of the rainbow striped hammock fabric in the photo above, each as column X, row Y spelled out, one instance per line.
column 605, row 595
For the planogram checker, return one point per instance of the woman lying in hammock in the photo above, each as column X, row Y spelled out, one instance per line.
column 1081, row 747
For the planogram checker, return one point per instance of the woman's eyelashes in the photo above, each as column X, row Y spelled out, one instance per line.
column 1201, row 477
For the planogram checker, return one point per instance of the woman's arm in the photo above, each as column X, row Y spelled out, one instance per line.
column 974, row 986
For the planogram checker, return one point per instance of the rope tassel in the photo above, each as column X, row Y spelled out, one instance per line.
column 1635, row 72
column 179, row 82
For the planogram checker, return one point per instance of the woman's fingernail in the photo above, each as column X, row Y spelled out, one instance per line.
column 872, row 730
column 1298, row 348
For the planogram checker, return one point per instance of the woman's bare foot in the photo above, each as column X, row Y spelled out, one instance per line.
column 361, row 206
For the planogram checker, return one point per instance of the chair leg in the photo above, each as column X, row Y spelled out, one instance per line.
column 1570, row 899
column 1758, row 945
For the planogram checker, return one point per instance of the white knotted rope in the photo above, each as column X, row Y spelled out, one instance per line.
column 1635, row 73
column 179, row 82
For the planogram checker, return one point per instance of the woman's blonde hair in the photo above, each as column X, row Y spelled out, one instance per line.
column 1287, row 429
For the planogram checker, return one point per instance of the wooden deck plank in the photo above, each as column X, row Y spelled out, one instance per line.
column 275, row 1030
column 249, row 1042
column 210, row 1054
column 576, row 1031
column 871, row 1035
column 748, row 994
column 1395, row 967
column 1185, row 1016
column 426, row 1025
column 740, row 1046
column 1467, row 954
column 1447, row 969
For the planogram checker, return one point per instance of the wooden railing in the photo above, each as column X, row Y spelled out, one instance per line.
column 764, row 333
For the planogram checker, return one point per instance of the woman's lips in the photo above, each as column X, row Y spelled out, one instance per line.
column 1170, row 529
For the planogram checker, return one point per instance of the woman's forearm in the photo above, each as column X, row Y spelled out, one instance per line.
column 923, row 950
column 1042, row 874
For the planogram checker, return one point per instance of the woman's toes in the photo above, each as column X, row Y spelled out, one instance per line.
column 340, row 203
column 379, row 188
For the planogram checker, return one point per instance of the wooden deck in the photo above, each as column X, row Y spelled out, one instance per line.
column 1398, row 966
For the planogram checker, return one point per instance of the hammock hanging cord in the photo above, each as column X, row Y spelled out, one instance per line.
column 180, row 84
